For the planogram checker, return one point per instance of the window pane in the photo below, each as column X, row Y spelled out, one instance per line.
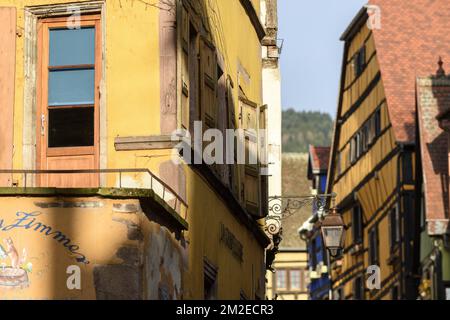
column 295, row 279
column 72, row 127
column 377, row 123
column 281, row 279
column 357, row 224
column 71, row 87
column 407, row 168
column 72, row 47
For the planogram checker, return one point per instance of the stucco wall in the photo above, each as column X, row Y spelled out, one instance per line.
column 131, row 93
column 120, row 252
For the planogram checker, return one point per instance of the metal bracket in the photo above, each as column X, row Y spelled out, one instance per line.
column 281, row 207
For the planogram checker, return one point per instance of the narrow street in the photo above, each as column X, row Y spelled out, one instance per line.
column 203, row 151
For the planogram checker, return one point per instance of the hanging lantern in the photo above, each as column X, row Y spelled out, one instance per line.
column 333, row 233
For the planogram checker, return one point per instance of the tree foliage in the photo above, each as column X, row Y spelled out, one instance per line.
column 300, row 129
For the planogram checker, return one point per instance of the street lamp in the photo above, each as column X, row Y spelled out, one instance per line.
column 333, row 233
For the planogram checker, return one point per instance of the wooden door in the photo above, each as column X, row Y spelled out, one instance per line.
column 68, row 98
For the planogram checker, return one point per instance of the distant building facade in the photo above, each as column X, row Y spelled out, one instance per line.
column 290, row 279
column 319, row 286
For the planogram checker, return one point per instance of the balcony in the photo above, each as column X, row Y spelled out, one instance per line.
column 114, row 183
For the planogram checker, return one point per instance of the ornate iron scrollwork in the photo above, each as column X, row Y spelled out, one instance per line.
column 282, row 207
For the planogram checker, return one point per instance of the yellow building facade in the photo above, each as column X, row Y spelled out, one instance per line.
column 289, row 280
column 110, row 114
column 372, row 173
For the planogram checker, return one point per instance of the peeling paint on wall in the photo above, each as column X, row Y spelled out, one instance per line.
column 163, row 265
column 131, row 256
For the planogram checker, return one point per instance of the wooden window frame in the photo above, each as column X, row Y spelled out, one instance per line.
column 359, row 61
column 286, row 287
column 363, row 139
column 365, row 136
column 353, row 149
column 339, row 163
column 374, row 254
column 358, row 295
column 377, row 122
column 210, row 274
column 394, row 215
column 407, row 168
column 44, row 25
column 359, row 150
column 301, row 287
column 357, row 235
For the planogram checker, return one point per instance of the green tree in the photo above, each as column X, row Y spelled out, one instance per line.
column 300, row 129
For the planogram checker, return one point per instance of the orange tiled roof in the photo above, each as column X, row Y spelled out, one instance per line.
column 319, row 157
column 413, row 35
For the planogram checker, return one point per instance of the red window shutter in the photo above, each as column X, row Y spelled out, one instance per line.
column 7, row 77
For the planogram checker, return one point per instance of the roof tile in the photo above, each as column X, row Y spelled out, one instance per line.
column 320, row 157
column 413, row 35
column 433, row 98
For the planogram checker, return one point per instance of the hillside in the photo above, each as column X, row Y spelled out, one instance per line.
column 300, row 129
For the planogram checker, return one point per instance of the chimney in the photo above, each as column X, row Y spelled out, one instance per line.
column 441, row 92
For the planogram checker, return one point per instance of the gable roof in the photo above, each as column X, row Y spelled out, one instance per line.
column 433, row 99
column 412, row 36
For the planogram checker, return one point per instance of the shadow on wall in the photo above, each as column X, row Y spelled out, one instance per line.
column 88, row 248
column 148, row 266
column 438, row 149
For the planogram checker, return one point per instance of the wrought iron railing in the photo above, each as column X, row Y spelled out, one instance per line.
column 164, row 191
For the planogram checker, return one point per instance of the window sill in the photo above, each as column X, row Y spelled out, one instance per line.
column 157, row 142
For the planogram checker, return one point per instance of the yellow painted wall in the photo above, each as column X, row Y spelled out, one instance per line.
column 133, row 109
column 374, row 194
column 207, row 213
column 132, row 71
column 237, row 42
column 99, row 232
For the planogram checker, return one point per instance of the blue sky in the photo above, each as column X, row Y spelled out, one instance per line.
column 312, row 53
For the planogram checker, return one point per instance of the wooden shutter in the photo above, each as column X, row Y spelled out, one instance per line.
column 185, row 84
column 208, row 67
column 250, row 174
column 168, row 71
column 264, row 162
column 231, row 115
column 7, row 77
